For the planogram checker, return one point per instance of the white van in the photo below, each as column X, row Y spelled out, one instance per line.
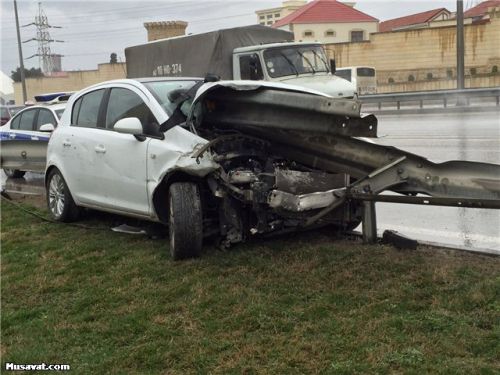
column 364, row 78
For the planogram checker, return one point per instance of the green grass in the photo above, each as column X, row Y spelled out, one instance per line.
column 105, row 302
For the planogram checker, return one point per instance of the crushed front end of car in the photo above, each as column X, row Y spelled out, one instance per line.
column 292, row 159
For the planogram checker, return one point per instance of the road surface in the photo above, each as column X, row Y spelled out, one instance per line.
column 442, row 137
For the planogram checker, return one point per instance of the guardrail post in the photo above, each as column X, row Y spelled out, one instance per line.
column 399, row 105
column 445, row 102
column 421, row 103
column 498, row 100
column 369, row 224
column 380, row 104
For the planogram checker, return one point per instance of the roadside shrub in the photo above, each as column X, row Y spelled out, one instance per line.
column 391, row 80
column 494, row 69
column 429, row 76
column 411, row 78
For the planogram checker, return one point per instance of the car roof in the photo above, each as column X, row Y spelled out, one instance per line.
column 275, row 45
column 54, row 107
column 160, row 79
column 136, row 81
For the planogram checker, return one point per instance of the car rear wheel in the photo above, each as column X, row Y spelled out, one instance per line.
column 59, row 200
column 14, row 173
column 185, row 220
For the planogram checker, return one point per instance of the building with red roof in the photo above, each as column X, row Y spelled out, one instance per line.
column 415, row 21
column 328, row 21
column 481, row 11
column 440, row 17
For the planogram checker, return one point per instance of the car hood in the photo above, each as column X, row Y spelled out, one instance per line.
column 327, row 83
column 246, row 85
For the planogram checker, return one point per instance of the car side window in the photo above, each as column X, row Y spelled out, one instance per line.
column 124, row 103
column 87, row 109
column 76, row 110
column 45, row 117
column 250, row 67
column 15, row 122
column 27, row 117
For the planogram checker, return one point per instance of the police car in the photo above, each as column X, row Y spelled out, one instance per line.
column 25, row 137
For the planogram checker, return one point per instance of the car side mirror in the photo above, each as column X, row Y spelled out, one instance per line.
column 128, row 125
column 47, row 128
column 209, row 77
column 333, row 66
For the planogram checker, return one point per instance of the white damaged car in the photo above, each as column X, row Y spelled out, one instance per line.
column 235, row 159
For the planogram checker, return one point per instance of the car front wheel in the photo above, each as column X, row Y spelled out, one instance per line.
column 14, row 173
column 59, row 200
column 185, row 220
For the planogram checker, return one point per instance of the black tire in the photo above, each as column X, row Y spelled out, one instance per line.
column 14, row 173
column 185, row 221
column 60, row 203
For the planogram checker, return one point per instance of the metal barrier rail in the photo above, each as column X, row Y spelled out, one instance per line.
column 462, row 97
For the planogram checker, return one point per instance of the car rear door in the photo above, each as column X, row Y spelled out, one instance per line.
column 18, row 151
column 75, row 145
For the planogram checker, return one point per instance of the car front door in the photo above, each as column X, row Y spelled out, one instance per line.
column 123, row 157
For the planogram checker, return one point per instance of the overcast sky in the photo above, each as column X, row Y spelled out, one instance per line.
column 92, row 30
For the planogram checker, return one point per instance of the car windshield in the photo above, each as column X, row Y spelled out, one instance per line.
column 295, row 60
column 166, row 93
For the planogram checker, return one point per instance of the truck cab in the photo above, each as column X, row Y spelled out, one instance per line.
column 301, row 64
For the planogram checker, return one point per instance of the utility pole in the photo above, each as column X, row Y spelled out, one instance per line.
column 460, row 45
column 21, row 63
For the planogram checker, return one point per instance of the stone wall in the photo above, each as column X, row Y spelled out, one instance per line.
column 69, row 81
column 425, row 59
column 165, row 29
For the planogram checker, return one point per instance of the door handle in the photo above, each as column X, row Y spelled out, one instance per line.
column 66, row 143
column 100, row 149
column 12, row 135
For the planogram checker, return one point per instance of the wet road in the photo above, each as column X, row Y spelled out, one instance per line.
column 469, row 136
column 474, row 137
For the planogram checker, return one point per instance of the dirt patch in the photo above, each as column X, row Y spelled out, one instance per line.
column 37, row 201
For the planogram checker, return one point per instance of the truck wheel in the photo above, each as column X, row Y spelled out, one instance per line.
column 14, row 173
column 60, row 203
column 185, row 221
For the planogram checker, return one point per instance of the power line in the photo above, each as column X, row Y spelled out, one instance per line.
column 138, row 9
column 45, row 56
column 128, row 30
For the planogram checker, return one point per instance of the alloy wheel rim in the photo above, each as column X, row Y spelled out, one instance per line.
column 56, row 195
